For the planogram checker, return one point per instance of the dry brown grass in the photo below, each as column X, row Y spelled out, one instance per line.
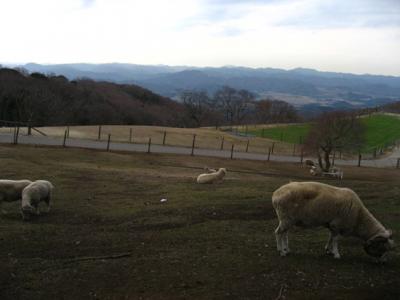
column 207, row 138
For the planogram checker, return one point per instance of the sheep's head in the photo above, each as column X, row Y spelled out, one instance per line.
column 27, row 212
column 379, row 245
column 222, row 170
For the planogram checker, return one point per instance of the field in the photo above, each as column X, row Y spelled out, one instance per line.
column 380, row 131
column 108, row 236
column 209, row 138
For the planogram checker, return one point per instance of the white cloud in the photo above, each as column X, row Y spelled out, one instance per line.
column 282, row 34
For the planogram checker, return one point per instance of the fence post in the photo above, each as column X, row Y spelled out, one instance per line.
column 165, row 136
column 233, row 146
column 16, row 136
column 359, row 159
column 272, row 148
column 374, row 153
column 247, row 146
column 193, row 143
column 99, row 133
column 130, row 135
column 29, row 128
column 301, row 156
column 108, row 142
column 222, row 143
column 149, row 145
column 67, row 131
column 269, row 153
column 65, row 138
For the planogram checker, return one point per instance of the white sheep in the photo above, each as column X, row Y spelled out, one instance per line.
column 11, row 190
column 212, row 177
column 33, row 194
column 313, row 204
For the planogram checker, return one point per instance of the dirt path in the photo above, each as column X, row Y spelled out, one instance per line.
column 386, row 162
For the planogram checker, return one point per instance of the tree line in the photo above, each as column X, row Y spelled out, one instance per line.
column 229, row 106
column 45, row 100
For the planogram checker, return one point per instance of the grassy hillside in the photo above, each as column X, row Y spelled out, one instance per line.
column 381, row 130
column 205, row 242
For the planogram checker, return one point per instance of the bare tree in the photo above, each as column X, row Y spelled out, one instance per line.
column 197, row 106
column 233, row 103
column 334, row 131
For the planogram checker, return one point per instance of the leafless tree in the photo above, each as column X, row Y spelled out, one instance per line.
column 334, row 131
column 197, row 106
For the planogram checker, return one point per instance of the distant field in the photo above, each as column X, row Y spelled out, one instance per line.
column 381, row 130
column 206, row 242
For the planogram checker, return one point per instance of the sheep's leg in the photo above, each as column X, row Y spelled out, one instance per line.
column 332, row 245
column 47, row 201
column 282, row 242
column 335, row 249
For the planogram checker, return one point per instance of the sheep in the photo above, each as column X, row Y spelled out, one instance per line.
column 33, row 194
column 313, row 204
column 209, row 170
column 212, row 177
column 309, row 163
column 11, row 190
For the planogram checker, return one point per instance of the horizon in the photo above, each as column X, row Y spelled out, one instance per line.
column 16, row 65
column 357, row 37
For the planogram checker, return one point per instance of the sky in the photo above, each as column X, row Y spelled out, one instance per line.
column 355, row 36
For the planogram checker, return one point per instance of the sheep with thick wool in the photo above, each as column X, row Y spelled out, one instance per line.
column 11, row 190
column 33, row 194
column 212, row 177
column 313, row 204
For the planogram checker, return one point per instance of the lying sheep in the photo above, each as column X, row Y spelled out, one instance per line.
column 33, row 194
column 209, row 170
column 212, row 177
column 11, row 190
column 313, row 204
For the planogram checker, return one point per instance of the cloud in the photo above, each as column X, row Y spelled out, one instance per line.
column 88, row 3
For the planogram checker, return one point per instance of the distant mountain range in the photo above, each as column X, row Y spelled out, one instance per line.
column 307, row 89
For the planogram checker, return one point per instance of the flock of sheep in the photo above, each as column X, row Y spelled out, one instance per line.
column 31, row 194
column 304, row 204
column 314, row 204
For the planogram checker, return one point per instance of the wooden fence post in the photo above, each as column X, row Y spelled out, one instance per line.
column 149, row 145
column 359, row 159
column 247, row 146
column 130, row 135
column 301, row 156
column 108, row 142
column 164, row 137
column 65, row 138
column 222, row 143
column 67, row 131
column 272, row 148
column 233, row 146
column 269, row 153
column 193, row 144
column 99, row 133
column 16, row 136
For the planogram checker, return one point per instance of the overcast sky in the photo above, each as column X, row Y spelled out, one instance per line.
column 357, row 36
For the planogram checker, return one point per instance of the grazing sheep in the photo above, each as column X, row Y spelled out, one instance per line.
column 11, row 190
column 315, row 170
column 33, row 194
column 313, row 204
column 212, row 177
